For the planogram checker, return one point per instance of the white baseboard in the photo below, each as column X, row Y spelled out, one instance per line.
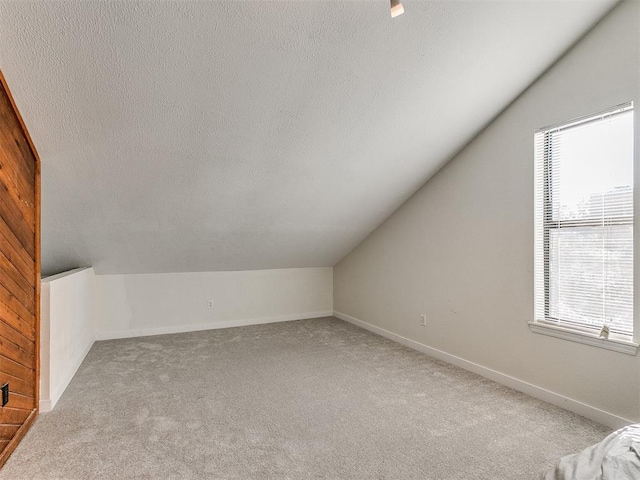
column 588, row 411
column 48, row 404
column 145, row 332
column 45, row 406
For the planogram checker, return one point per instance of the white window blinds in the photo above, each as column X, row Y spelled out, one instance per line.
column 584, row 222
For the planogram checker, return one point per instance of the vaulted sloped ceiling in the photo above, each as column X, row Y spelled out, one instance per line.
column 232, row 135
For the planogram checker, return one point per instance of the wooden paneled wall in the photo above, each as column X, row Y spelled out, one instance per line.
column 19, row 274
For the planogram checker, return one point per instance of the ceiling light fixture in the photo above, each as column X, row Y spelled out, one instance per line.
column 396, row 8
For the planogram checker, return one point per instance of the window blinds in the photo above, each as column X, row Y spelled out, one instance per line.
column 584, row 222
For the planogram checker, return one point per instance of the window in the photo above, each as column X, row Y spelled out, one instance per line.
column 584, row 227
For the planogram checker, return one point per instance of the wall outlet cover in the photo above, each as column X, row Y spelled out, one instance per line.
column 5, row 394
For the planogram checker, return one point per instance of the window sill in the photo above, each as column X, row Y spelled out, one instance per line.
column 616, row 344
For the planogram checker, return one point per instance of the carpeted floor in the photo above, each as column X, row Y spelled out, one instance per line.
column 307, row 399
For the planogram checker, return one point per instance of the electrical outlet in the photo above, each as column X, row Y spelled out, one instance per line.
column 210, row 304
column 5, row 394
column 423, row 320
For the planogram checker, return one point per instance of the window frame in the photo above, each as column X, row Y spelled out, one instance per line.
column 566, row 329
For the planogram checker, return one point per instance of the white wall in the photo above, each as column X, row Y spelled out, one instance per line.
column 150, row 304
column 66, row 330
column 461, row 249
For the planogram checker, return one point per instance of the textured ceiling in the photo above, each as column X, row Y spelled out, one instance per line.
column 231, row 135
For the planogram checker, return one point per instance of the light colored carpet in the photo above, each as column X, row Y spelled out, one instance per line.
column 307, row 399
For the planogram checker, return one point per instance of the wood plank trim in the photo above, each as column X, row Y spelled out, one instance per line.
column 7, row 431
column 24, row 298
column 22, row 325
column 14, row 303
column 13, row 443
column 23, row 231
column 16, row 250
column 32, row 147
column 18, row 147
column 14, row 415
column 17, row 385
column 16, row 276
column 16, row 400
column 28, row 257
column 21, row 194
column 16, row 337
column 14, row 369
column 15, row 353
